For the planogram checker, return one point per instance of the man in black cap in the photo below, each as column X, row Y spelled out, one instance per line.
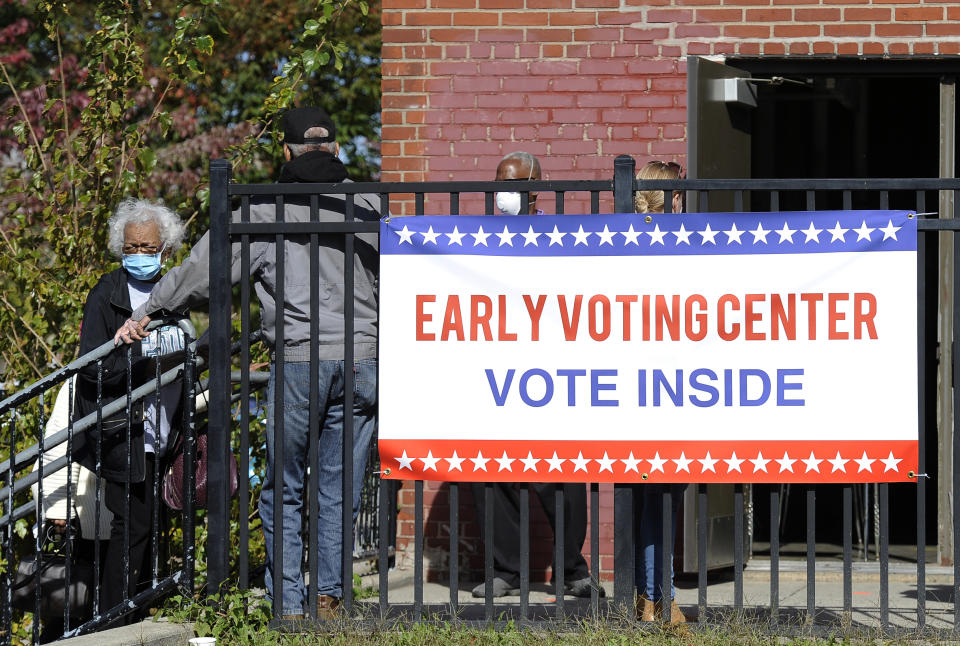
column 310, row 149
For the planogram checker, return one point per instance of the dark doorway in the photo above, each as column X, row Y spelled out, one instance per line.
column 842, row 119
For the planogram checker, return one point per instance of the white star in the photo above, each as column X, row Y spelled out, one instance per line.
column 480, row 462
column 733, row 463
column 429, row 462
column 606, row 463
column 606, row 236
column 529, row 462
column 811, row 233
column 630, row 463
column 708, row 234
column 683, row 235
column 456, row 237
column 707, row 463
column 837, row 232
column 405, row 462
column 813, row 463
column 530, row 237
column 839, row 464
column 555, row 463
column 656, row 463
column 480, row 238
column 890, row 231
column 863, row 233
column 505, row 462
column 430, row 236
column 580, row 463
column 556, row 237
column 656, row 235
column 733, row 233
column 406, row 235
column 760, row 463
column 580, row 237
column 786, row 233
column 864, row 463
column 760, row 233
column 786, row 463
column 454, row 461
column 630, row 236
column 890, row 463
column 683, row 463
column 506, row 238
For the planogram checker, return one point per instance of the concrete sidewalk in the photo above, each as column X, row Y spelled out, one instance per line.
column 828, row 595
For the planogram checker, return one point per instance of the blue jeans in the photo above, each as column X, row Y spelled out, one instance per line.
column 296, row 436
column 648, row 536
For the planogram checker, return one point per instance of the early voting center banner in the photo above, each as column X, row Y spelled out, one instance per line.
column 740, row 347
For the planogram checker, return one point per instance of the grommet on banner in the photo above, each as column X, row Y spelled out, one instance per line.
column 385, row 472
column 644, row 476
column 912, row 474
column 387, row 219
column 648, row 219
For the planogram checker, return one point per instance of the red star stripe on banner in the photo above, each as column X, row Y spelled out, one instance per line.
column 650, row 461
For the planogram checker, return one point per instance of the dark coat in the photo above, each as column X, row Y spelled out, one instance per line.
column 106, row 309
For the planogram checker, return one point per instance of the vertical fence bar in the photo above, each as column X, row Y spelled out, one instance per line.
column 418, row 550
column 97, row 468
column 129, row 461
column 774, row 200
column 218, row 420
column 847, row 554
column 418, row 203
column 847, row 200
column 884, row 534
column 189, row 459
column 454, row 204
column 243, row 557
column 488, row 520
column 313, row 416
column 558, row 200
column 454, row 548
column 595, row 547
column 8, row 546
column 666, row 554
column 383, row 560
column 702, row 553
column 811, row 201
column 560, row 521
column 348, row 495
column 41, row 533
column 279, row 407
column 922, row 425
column 525, row 551
column 811, row 553
column 774, row 556
column 738, row 546
column 488, row 203
column 737, row 200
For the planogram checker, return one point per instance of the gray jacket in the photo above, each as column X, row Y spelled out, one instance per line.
column 189, row 284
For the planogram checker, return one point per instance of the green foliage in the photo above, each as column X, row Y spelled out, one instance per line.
column 236, row 617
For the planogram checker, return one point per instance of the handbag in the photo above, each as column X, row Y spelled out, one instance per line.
column 51, row 577
column 172, row 490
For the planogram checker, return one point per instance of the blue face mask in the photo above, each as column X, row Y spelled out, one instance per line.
column 142, row 266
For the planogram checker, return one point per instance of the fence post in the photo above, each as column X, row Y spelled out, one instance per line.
column 623, row 550
column 624, row 169
column 218, row 424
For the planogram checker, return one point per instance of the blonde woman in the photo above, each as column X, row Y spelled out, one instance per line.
column 648, row 498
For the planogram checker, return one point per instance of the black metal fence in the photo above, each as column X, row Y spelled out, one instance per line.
column 230, row 380
column 238, row 231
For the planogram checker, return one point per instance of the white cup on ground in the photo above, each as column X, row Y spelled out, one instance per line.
column 203, row 641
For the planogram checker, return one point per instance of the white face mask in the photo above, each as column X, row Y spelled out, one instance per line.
column 508, row 203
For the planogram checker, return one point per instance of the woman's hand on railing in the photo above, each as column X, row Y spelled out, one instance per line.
column 132, row 331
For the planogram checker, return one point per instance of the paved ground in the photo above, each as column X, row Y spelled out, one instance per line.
column 828, row 591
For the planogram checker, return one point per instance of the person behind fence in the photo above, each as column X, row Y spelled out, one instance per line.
column 648, row 498
column 311, row 150
column 143, row 235
column 506, row 498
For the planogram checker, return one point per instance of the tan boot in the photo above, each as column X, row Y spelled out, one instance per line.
column 676, row 615
column 327, row 607
column 644, row 608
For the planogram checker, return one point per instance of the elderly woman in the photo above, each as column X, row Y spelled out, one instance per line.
column 143, row 235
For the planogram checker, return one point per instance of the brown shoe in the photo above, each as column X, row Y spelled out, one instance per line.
column 292, row 617
column 327, row 607
column 676, row 615
column 644, row 608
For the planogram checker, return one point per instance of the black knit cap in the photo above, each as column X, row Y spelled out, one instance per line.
column 297, row 121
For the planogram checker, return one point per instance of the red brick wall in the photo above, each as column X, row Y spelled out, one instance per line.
column 437, row 534
column 578, row 82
